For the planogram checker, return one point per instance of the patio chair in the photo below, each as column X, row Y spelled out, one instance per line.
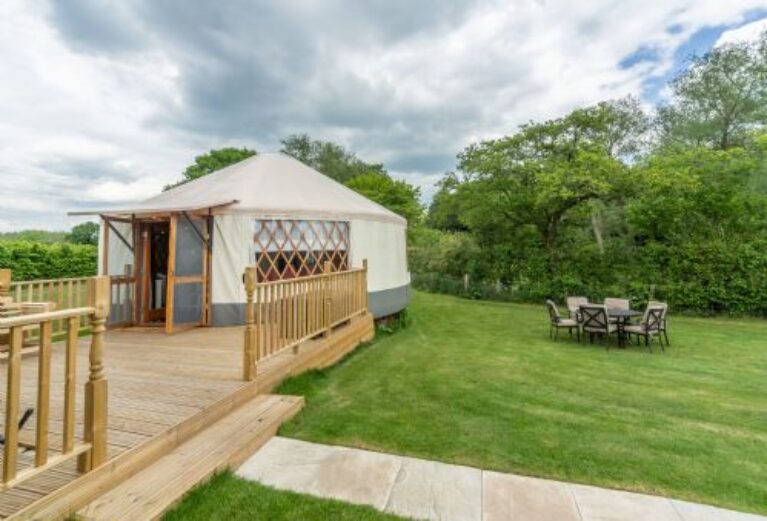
column 594, row 321
column 574, row 306
column 617, row 303
column 649, row 327
column 557, row 322
column 663, row 320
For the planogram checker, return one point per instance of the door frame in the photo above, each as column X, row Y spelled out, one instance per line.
column 203, row 278
column 144, row 260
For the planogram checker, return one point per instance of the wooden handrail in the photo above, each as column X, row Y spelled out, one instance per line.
column 45, row 281
column 283, row 314
column 45, row 317
column 64, row 293
column 92, row 450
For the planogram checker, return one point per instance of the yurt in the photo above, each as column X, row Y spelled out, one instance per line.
column 183, row 252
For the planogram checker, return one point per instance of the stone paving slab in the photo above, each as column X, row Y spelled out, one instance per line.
column 351, row 475
column 422, row 489
column 598, row 504
column 432, row 490
column 507, row 496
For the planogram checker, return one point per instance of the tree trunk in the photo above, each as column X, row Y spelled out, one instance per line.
column 596, row 225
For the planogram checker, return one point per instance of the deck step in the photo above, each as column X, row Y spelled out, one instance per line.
column 224, row 444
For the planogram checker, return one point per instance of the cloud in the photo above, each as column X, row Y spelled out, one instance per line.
column 747, row 33
column 104, row 102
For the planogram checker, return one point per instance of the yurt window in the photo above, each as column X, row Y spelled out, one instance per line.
column 284, row 249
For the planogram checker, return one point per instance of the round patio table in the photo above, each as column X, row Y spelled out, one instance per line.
column 622, row 316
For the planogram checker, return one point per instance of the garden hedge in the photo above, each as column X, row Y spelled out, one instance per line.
column 30, row 260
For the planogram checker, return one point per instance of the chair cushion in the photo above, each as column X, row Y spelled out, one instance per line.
column 611, row 328
column 567, row 322
column 637, row 329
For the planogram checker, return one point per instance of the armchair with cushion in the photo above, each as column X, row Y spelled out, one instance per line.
column 574, row 305
column 650, row 326
column 556, row 322
column 595, row 321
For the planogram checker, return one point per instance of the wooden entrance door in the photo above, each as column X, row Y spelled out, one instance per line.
column 187, row 272
column 155, row 237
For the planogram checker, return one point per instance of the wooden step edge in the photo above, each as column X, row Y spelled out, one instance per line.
column 155, row 502
column 81, row 491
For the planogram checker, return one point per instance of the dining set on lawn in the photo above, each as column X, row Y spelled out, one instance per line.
column 612, row 317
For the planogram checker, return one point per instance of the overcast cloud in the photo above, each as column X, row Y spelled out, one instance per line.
column 105, row 102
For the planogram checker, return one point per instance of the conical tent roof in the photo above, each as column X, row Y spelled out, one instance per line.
column 266, row 186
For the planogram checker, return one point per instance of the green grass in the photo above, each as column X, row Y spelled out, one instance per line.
column 227, row 497
column 481, row 384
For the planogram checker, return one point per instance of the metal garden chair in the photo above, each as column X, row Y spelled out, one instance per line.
column 557, row 322
column 649, row 327
column 595, row 321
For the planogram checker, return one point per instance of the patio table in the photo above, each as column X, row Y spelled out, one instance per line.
column 622, row 316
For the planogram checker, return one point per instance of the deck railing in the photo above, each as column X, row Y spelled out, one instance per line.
column 67, row 293
column 71, row 293
column 92, row 451
column 283, row 314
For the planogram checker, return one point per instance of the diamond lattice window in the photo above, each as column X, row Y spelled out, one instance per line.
column 284, row 249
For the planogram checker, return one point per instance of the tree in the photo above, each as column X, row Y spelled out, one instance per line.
column 540, row 177
column 84, row 233
column 40, row 236
column 398, row 196
column 329, row 158
column 719, row 99
column 214, row 160
column 698, row 194
column 444, row 210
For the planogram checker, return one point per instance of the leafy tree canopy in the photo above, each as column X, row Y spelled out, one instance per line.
column 719, row 99
column 331, row 159
column 214, row 160
column 84, row 233
column 38, row 236
column 544, row 174
column 697, row 193
column 445, row 210
column 398, row 196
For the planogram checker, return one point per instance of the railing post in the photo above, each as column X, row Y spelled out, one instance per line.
column 327, row 300
column 5, row 282
column 249, row 353
column 365, row 283
column 95, row 417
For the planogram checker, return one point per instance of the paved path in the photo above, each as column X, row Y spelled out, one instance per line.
column 424, row 489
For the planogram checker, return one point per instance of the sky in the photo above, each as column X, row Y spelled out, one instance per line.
column 104, row 102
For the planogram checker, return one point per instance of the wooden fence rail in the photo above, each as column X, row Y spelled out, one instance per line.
column 92, row 450
column 282, row 314
column 69, row 293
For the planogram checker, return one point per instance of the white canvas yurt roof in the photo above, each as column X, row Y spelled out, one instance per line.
column 265, row 186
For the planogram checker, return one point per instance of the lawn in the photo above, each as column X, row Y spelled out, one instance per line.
column 481, row 384
column 227, row 497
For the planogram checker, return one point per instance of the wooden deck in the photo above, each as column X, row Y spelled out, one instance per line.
column 162, row 390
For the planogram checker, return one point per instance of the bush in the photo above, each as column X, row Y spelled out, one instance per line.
column 30, row 261
column 703, row 278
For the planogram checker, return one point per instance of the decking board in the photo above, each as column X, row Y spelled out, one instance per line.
column 162, row 389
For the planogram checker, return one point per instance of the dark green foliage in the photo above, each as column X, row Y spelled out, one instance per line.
column 397, row 196
column 581, row 205
column 327, row 157
column 719, row 99
column 42, row 236
column 30, row 260
column 214, row 160
column 84, row 233
column 708, row 278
